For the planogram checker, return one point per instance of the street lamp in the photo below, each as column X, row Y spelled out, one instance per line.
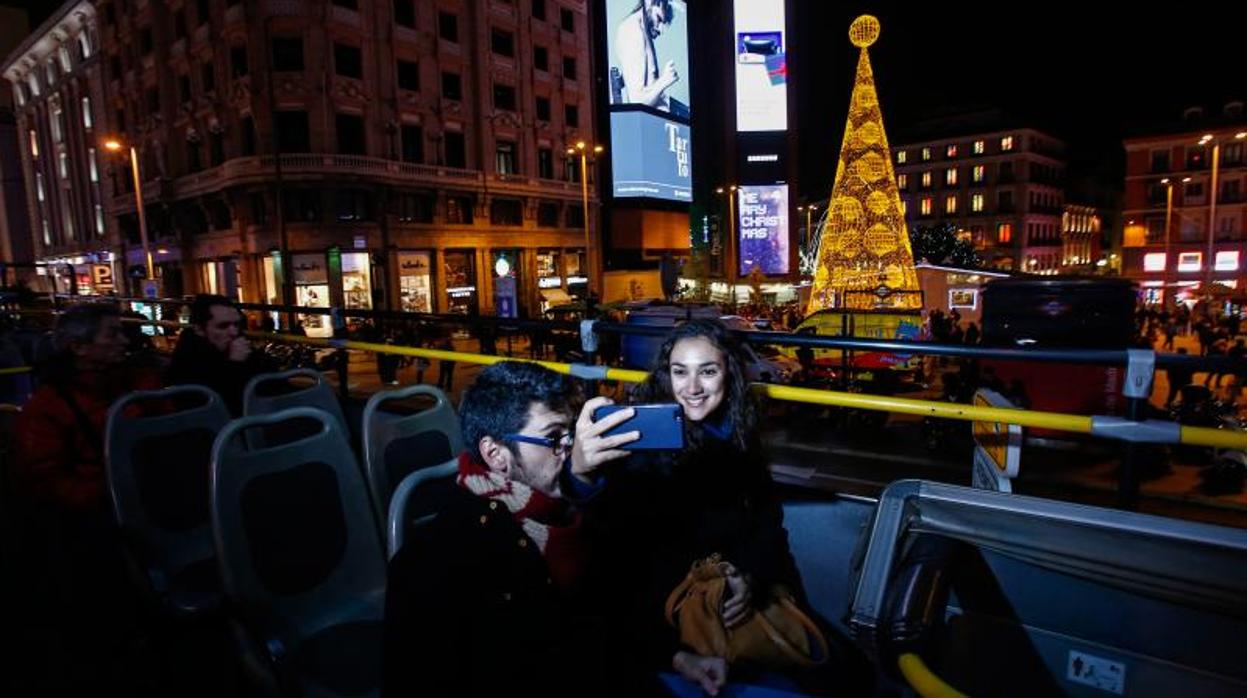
column 1212, row 201
column 731, row 238
column 583, row 149
column 1169, row 264
column 809, row 211
column 113, row 145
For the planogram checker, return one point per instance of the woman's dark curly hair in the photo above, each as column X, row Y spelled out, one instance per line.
column 738, row 404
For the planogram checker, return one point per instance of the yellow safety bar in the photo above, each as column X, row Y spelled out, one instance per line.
column 15, row 369
column 1078, row 424
column 619, row 374
column 929, row 408
column 924, row 681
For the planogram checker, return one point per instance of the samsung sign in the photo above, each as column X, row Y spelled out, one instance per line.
column 763, row 228
column 647, row 47
column 650, row 157
column 761, row 65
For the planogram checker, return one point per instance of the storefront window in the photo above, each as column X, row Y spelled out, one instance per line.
column 272, row 290
column 83, row 275
column 550, row 279
column 577, row 279
column 415, row 281
column 460, row 270
column 311, row 288
column 209, row 277
column 221, row 277
column 272, row 286
column 356, row 281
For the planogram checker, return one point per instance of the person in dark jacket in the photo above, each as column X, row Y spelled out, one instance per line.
column 212, row 352
column 666, row 510
column 495, row 596
column 73, row 558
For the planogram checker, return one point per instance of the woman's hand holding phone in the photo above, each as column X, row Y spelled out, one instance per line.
column 590, row 449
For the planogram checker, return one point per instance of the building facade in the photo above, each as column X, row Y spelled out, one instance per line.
column 405, row 154
column 1002, row 189
column 57, row 87
column 15, row 242
column 1185, row 208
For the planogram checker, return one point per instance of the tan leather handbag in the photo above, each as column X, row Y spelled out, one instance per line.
column 777, row 634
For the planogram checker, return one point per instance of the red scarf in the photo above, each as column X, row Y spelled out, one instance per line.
column 547, row 521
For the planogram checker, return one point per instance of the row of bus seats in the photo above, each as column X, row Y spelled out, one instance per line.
column 269, row 520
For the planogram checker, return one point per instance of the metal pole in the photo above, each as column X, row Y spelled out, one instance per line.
column 138, row 200
column 1212, row 216
column 1128, row 478
column 1168, row 244
column 808, row 233
column 732, row 258
column 584, row 190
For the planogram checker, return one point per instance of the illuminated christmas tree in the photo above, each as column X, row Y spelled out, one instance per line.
column 864, row 260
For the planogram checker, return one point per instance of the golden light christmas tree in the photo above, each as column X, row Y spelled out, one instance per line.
column 864, row 258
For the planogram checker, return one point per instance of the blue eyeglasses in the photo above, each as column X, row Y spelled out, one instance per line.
column 560, row 446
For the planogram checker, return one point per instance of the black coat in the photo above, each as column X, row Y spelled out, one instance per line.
column 196, row 362
column 660, row 512
column 471, row 610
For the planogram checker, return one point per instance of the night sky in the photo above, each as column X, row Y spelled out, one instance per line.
column 1089, row 78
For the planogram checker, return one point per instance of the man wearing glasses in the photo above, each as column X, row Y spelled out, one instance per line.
column 213, row 353
column 495, row 595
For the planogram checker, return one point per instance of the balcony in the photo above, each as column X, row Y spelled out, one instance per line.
column 259, row 169
column 346, row 16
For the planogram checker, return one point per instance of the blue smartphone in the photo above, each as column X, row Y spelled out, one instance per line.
column 661, row 426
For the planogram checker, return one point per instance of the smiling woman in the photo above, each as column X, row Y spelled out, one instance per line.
column 662, row 511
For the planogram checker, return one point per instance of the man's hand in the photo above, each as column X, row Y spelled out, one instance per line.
column 668, row 76
column 589, row 448
column 239, row 349
column 709, row 672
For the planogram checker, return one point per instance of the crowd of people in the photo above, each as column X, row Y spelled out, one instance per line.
column 1215, row 334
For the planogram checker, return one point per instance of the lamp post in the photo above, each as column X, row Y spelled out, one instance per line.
column 1212, row 202
column 809, row 211
column 1168, row 231
column 113, row 145
column 583, row 149
column 731, row 238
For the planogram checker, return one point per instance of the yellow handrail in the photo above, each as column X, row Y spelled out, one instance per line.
column 924, row 682
column 1078, row 424
column 929, row 408
column 14, row 369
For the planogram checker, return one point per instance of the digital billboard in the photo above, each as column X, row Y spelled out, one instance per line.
column 647, row 41
column 647, row 46
column 761, row 65
column 650, row 157
column 762, row 228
